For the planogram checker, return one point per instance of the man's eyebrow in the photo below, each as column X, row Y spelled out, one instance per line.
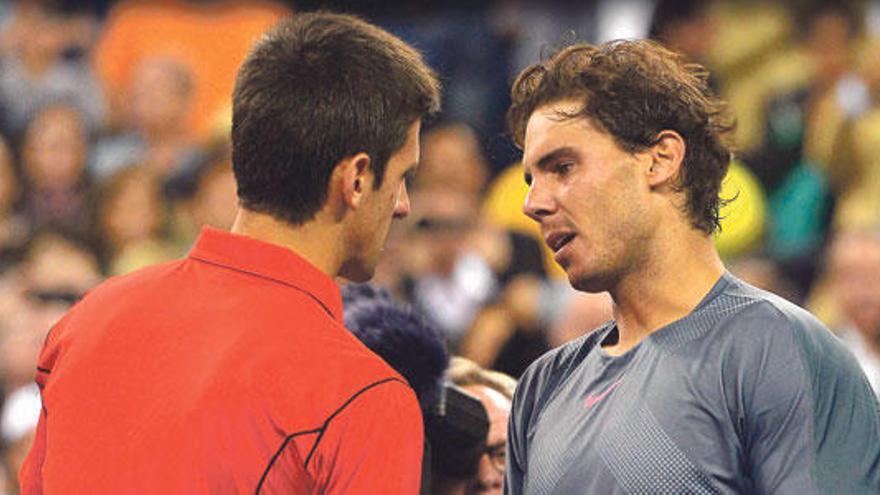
column 409, row 175
column 547, row 159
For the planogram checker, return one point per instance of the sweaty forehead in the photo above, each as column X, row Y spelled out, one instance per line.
column 548, row 129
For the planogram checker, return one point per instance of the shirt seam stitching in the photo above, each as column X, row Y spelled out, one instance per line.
column 808, row 384
column 323, row 428
column 267, row 277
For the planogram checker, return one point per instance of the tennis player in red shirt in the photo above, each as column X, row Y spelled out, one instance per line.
column 229, row 371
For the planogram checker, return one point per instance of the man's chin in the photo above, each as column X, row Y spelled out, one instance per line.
column 592, row 283
column 357, row 271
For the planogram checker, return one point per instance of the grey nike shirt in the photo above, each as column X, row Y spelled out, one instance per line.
column 747, row 394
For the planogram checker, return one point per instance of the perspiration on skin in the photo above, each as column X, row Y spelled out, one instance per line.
column 700, row 383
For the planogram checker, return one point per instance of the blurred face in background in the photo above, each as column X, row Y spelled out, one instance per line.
column 45, row 35
column 8, row 180
column 694, row 36
column 160, row 96
column 55, row 265
column 131, row 208
column 54, row 273
column 490, row 473
column 452, row 158
column 855, row 277
column 443, row 220
column 581, row 314
column 55, row 148
column 215, row 201
column 828, row 40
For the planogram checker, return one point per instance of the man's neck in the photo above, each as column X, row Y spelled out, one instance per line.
column 316, row 242
column 677, row 277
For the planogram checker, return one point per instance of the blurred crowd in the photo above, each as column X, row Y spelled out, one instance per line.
column 114, row 151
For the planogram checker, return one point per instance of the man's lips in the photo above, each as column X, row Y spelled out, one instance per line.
column 557, row 240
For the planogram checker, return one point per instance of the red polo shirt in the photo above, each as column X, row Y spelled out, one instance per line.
column 228, row 371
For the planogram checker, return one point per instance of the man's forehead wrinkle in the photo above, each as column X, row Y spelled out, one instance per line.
column 556, row 154
column 544, row 125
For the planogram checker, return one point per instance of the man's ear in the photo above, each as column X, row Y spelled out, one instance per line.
column 667, row 156
column 356, row 177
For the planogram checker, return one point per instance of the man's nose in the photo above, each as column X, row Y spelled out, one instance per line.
column 401, row 207
column 539, row 202
column 490, row 477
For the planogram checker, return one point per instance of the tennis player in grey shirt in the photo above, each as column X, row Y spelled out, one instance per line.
column 701, row 383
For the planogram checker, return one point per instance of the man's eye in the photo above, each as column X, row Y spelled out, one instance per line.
column 409, row 178
column 563, row 168
column 528, row 179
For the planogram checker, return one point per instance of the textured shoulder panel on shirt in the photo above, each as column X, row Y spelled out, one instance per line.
column 731, row 303
column 844, row 409
column 701, row 322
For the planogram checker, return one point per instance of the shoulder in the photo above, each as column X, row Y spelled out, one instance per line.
column 322, row 365
column 770, row 339
column 122, row 283
column 111, row 293
column 741, row 316
column 766, row 319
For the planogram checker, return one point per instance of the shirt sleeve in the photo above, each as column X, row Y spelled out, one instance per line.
column 812, row 424
column 372, row 445
column 30, row 478
column 777, row 430
column 31, row 474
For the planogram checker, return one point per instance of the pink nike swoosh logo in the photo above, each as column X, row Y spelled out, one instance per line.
column 593, row 399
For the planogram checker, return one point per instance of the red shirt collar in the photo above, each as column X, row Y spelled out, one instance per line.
column 270, row 261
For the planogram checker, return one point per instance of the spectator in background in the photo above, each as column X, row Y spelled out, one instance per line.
column 461, row 265
column 858, row 206
column 800, row 164
column 132, row 221
column 765, row 273
column 511, row 331
column 19, row 419
column 854, row 281
column 689, row 27
column 209, row 38
column 60, row 266
column 580, row 313
column 57, row 186
column 452, row 159
column 495, row 392
column 448, row 278
column 14, row 227
column 153, row 131
column 452, row 169
column 56, row 271
column 210, row 200
column 39, row 65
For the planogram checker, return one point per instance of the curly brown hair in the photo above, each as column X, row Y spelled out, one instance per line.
column 633, row 90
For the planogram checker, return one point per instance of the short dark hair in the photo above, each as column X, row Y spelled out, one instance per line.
column 315, row 89
column 633, row 90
